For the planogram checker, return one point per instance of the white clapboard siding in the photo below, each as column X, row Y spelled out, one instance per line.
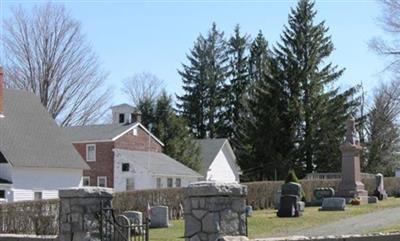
column 221, row 169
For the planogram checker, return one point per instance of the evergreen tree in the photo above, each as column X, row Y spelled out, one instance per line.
column 171, row 130
column 236, row 89
column 203, row 81
column 316, row 113
column 146, row 107
column 258, row 60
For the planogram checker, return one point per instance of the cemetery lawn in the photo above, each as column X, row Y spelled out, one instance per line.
column 265, row 223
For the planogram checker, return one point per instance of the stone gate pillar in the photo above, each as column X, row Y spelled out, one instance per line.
column 213, row 210
column 79, row 212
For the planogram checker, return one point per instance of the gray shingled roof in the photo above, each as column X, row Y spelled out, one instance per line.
column 29, row 137
column 209, row 149
column 95, row 132
column 158, row 163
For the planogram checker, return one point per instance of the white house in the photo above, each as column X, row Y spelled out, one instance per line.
column 135, row 170
column 36, row 160
column 218, row 161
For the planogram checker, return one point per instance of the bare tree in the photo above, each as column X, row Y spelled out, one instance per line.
column 390, row 23
column 383, row 129
column 47, row 54
column 142, row 87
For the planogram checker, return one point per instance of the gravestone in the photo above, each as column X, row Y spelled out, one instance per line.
column 277, row 198
column 321, row 193
column 134, row 217
column 249, row 211
column 351, row 186
column 380, row 192
column 291, row 188
column 372, row 199
column 289, row 207
column 290, row 202
column 333, row 204
column 159, row 217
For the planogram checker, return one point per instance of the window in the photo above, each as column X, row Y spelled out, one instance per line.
column 85, row 181
column 169, row 182
column 121, row 118
column 159, row 185
column 125, row 167
column 178, row 182
column 90, row 152
column 2, row 194
column 135, row 132
column 37, row 195
column 130, row 184
column 102, row 181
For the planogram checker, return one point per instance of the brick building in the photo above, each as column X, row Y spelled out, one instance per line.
column 124, row 155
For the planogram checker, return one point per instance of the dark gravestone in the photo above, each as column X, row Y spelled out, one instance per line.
column 291, row 188
column 290, row 204
column 320, row 194
column 380, row 192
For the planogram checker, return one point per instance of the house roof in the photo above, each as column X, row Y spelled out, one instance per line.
column 106, row 132
column 4, row 181
column 96, row 132
column 209, row 149
column 29, row 137
column 157, row 163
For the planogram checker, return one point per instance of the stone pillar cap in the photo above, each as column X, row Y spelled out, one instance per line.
column 86, row 192
column 213, row 188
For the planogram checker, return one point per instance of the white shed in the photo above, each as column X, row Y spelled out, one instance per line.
column 218, row 161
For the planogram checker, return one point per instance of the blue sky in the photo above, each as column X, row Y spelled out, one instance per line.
column 134, row 36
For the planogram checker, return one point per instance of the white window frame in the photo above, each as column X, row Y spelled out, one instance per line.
column 126, row 184
column 172, row 182
column 5, row 194
column 180, row 182
column 98, row 180
column 83, row 180
column 87, row 152
column 157, row 182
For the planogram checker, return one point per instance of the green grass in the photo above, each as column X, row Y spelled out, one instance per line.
column 393, row 228
column 264, row 223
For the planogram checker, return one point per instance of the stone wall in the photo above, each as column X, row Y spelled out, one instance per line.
column 79, row 210
column 212, row 210
column 24, row 237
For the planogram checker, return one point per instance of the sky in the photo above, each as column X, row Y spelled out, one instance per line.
column 154, row 36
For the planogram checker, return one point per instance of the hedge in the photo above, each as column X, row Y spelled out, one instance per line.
column 261, row 195
column 30, row 217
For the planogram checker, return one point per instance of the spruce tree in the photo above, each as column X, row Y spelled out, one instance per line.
column 203, row 80
column 171, row 130
column 316, row 113
column 238, row 85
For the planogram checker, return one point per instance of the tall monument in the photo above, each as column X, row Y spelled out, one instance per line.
column 351, row 185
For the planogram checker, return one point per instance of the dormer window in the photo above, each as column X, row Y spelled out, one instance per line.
column 122, row 118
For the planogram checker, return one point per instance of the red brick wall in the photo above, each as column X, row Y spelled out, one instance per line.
column 138, row 143
column 104, row 164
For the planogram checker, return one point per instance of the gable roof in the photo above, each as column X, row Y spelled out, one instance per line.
column 29, row 137
column 157, row 163
column 209, row 149
column 106, row 132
